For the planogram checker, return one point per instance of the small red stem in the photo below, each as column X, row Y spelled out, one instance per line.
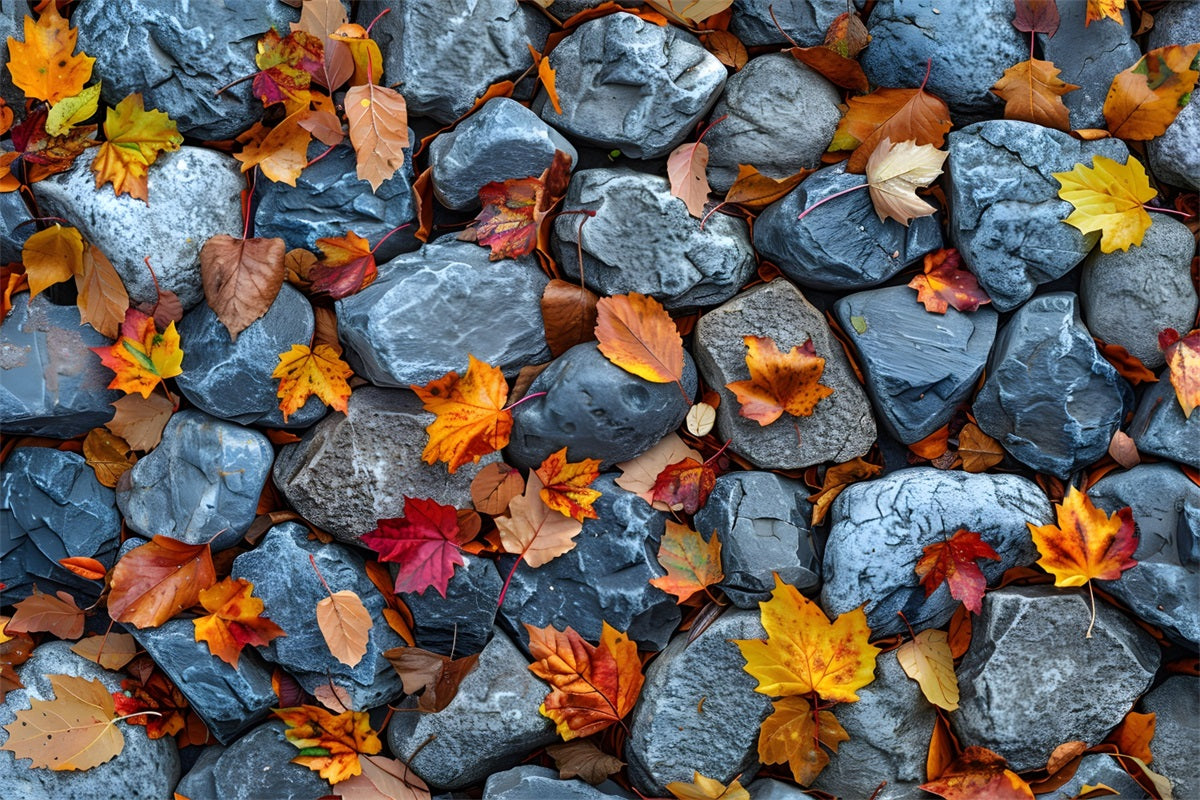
column 233, row 83
column 928, row 70
column 522, row 400
column 1183, row 214
column 320, row 577
column 246, row 205
column 714, row 456
column 326, row 152
column 387, row 235
column 508, row 580
column 377, row 18
column 712, row 211
column 833, row 196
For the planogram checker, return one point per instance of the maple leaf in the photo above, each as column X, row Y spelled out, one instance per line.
column 945, row 283
column 347, row 266
column 778, row 381
column 685, row 485
column 581, row 758
column 378, row 120
column 329, row 744
column 514, row 212
column 73, row 731
column 134, row 138
column 280, row 152
column 426, row 542
column 927, row 660
column 45, row 65
column 345, row 625
column 51, row 256
column 703, row 788
column 692, row 564
column 1086, row 543
column 895, row 172
column 568, row 315
column 837, row 478
column 1037, row 16
column 140, row 420
column 533, row 531
column 287, row 66
column 565, row 485
column 686, row 168
column 1183, row 362
column 689, row 12
column 1108, row 197
column 37, row 154
column 434, row 677
column 471, row 420
column 1134, row 735
column 234, row 620
column 303, row 372
column 1033, row 92
column 793, row 735
column 54, row 613
column 754, row 191
column 1104, row 9
column 895, row 114
column 976, row 773
column 638, row 335
column 156, row 693
column 155, row 581
column 142, row 358
column 241, row 278
column 953, row 562
column 1145, row 99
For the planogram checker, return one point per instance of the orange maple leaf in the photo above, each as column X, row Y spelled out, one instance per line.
column 234, row 620
column 44, row 66
column 1183, row 361
column 692, row 564
column 1033, row 92
column 1145, row 99
column 303, row 372
column 779, row 382
column 514, row 211
column 347, row 266
column 471, row 420
column 565, row 485
column 330, row 744
column 155, row 693
column 1102, row 9
column 793, row 735
column 142, row 358
column 134, row 138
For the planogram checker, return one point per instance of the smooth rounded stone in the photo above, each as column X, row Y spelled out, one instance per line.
column 531, row 782
column 919, row 366
column 843, row 244
column 491, row 724
column 642, row 239
column 12, row 24
column 761, row 520
column 231, row 379
column 283, row 576
column 200, row 780
column 841, row 427
column 501, row 141
column 698, row 710
column 255, row 767
column 629, row 84
column 145, row 769
column 881, row 527
column 429, row 309
column 16, row 223
column 1172, row 156
column 605, row 577
column 1095, row 769
column 596, row 410
column 1050, row 398
column 802, row 21
column 460, row 623
column 351, row 470
column 194, row 195
column 565, row 9
column 202, row 481
column 771, row 789
column 1032, row 680
column 1176, row 743
column 52, row 507
column 51, row 384
column 1005, row 212
column 1159, row 427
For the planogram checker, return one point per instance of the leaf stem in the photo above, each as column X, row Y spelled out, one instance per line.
column 508, row 580
column 324, row 153
column 321, row 577
column 233, row 83
column 387, row 235
column 928, row 71
column 833, row 196
column 778, row 27
column 511, row 406
column 1092, row 624
column 713, row 457
column 1183, row 214
column 377, row 18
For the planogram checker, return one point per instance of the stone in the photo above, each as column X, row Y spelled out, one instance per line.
column 491, row 724
column 285, row 579
column 429, row 309
column 771, row 789
column 628, row 84
column 460, row 623
column 597, row 410
column 1176, row 742
column 231, row 379
column 1172, row 156
column 1175, row 23
column 16, row 223
column 842, row 245
column 919, row 365
column 881, row 527
column 351, row 470
column 51, row 384
column 761, row 520
column 256, row 766
column 839, row 429
column 1005, row 212
column 145, row 769
column 501, row 141
column 202, row 481
column 1032, row 680
column 1050, row 398
column 200, row 780
column 194, row 195
column 1159, row 427
column 642, row 239
column 11, row 25
column 565, row 9
column 698, row 710
column 531, row 782
column 804, row 21
column 1095, row 769
column 605, row 577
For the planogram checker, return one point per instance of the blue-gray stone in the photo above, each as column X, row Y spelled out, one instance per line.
column 531, row 782
column 200, row 780
column 460, row 623
column 565, row 9
column 12, row 25
column 1095, row 769
column 1176, row 743
column 1175, row 23
column 255, row 767
column 16, row 223
column 772, row 789
column 802, row 21
column 1174, row 157
column 1159, row 427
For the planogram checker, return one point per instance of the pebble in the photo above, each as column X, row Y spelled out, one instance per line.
column 1159, row 427
column 460, row 623
column 531, row 782
column 803, row 21
column 255, row 767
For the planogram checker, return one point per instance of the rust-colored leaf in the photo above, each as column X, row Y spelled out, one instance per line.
column 778, row 381
column 837, row 478
column 1145, row 99
column 581, row 758
column 53, row 613
column 140, row 420
column 153, row 692
column 154, row 582
column 434, row 677
column 794, row 735
column 1183, row 362
column 241, row 278
column 754, row 191
column 86, row 568
column 102, row 297
column 73, row 731
column 280, row 152
column 514, row 211
column 330, row 744
column 494, row 487
column 110, row 650
column 638, row 335
column 1127, row 365
column 979, row 773
column 847, row 35
column 108, row 455
column 1134, row 735
column 692, row 564
column 1123, row 450
column 836, row 68
column 345, row 624
column 896, row 114
column 566, row 485
column 978, row 451
column 685, row 485
column 234, row 620
column 728, row 49
column 45, row 65
column 471, row 419
column 1086, row 543
column 347, row 266
column 568, row 314
column 1033, row 92
column 952, row 562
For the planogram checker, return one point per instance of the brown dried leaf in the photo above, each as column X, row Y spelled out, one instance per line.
column 111, row 651
column 568, row 314
column 241, row 278
column 581, row 758
column 1123, row 450
column 102, row 296
column 494, row 487
column 108, row 455
column 378, row 130
column 56, row 614
column 140, row 420
column 346, row 625
column 978, row 450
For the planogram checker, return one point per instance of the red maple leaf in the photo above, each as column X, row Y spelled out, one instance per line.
column 348, row 266
column 686, row 484
column 945, row 283
column 514, row 210
column 426, row 542
column 953, row 561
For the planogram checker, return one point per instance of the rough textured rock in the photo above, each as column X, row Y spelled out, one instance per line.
column 11, row 25
column 16, row 224
column 460, row 623
column 642, row 239
column 1176, row 742
column 840, row 428
column 1005, row 212
column 919, row 365
column 880, row 528
column 256, row 766
column 1173, row 156
column 805, row 21
column 629, row 84
column 200, row 780
column 1159, row 427
column 771, row 789
column 565, row 9
column 1050, row 398
column 1031, row 680
column 531, row 782
column 429, row 309
column 1095, row 769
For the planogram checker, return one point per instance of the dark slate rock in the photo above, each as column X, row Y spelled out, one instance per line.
column 839, row 429
column 804, row 21
column 1176, row 743
column 429, row 309
column 761, row 520
column 491, row 724
column 201, row 780
column 771, row 789
column 284, row 578
column 16, row 223
column 843, row 244
column 629, row 84
column 1172, row 156
column 1006, row 215
column 565, row 9
column 531, row 782
column 52, row 507
column 145, row 769
column 232, row 379
column 460, row 623
column 500, row 141
column 605, row 577
column 51, row 384
column 1050, row 398
column 255, row 767
column 642, row 239
column 12, row 24
column 670, row 736
column 919, row 365
column 1160, row 428
column 596, row 409
column 1095, row 769
column 881, row 527
column 351, row 470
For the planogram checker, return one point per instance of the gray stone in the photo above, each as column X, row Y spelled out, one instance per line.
column 429, row 309
column 531, row 782
column 881, row 527
column 605, row 577
column 699, row 710
column 771, row 789
column 351, row 470
column 642, row 239
column 805, row 21
column 1032, row 680
column 1005, row 212
column 12, row 24
column 194, row 195
column 843, row 244
column 500, row 141
column 145, row 769
column 1176, row 23
column 51, row 384
column 919, row 365
column 629, row 84
column 565, row 9
column 255, row 767
column 16, row 223
column 1176, row 743
column 1128, row 296
column 202, row 481
column 1172, row 156
column 201, row 780
column 460, row 623
column 490, row 724
column 761, row 520
column 1095, row 769
column 597, row 410
column 1050, row 398
column 284, row 577
column 1159, row 427
column 841, row 426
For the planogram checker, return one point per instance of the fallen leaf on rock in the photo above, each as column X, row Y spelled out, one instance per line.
column 1134, row 735
column 1108, row 197
column 895, row 172
column 692, row 564
column 87, row 568
column 1183, row 362
column 837, row 478
column 241, row 278
column 155, row 693
column 102, row 297
column 40, row 154
column 368, row 60
column 794, row 734
column 435, row 677
column 728, row 49
column 142, row 358
column 471, row 419
column 945, row 283
column 547, row 77
column 1033, row 92
column 1123, row 450
column 45, row 65
column 52, row 256
column 108, row 455
column 70, row 111
column 568, row 315
column 979, row 773
column 426, row 543
column 234, row 620
column 140, row 420
column 110, row 650
column 700, row 419
column 533, row 530
column 565, row 485
column 1144, row 100
column 833, row 66
column 303, row 372
column 155, row 581
column 75, row 730
column 847, row 35
column 702, row 788
column 639, row 475
column 378, row 119
column 514, row 211
column 754, row 191
column 1037, row 16
column 347, row 266
column 1104, row 9
column 689, row 12
column 581, row 758
column 329, row 744
column 953, row 562
column 12, row 281
column 133, row 139
column 280, row 152
column 287, row 65
column 494, row 487
column 383, row 779
column 1127, row 365
column 53, row 613
column 345, row 625
column 1064, row 754
column 978, row 451
column 895, row 114
column 926, row 658
column 685, row 485
column 687, row 169
column 778, row 381
column 638, row 335
column 1086, row 543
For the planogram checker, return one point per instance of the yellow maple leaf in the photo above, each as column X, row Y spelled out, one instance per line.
column 303, row 372
column 135, row 137
column 142, row 358
column 705, row 788
column 51, row 256
column 1102, row 9
column 1108, row 197
column 794, row 735
column 471, row 418
column 45, row 66
column 330, row 744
